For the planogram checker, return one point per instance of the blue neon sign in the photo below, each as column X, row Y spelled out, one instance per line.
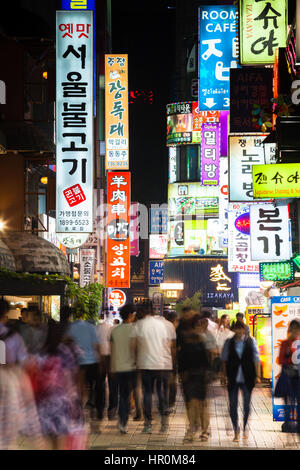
column 218, row 52
column 78, row 4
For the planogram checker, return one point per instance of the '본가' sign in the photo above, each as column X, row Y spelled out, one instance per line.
column 218, row 52
column 74, row 121
column 263, row 28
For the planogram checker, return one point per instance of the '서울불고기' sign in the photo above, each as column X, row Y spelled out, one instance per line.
column 74, row 121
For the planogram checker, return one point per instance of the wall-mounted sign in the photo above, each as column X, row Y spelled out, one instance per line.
column 281, row 271
column 87, row 266
column 210, row 154
column 270, row 232
column 263, row 28
column 172, row 165
column 156, row 272
column 74, row 121
column 244, row 151
column 118, row 229
column 117, row 298
column 78, row 4
column 72, row 240
column 250, row 92
column 116, row 112
column 248, row 280
column 159, row 220
column 276, row 181
column 193, row 199
column 218, row 52
column 221, row 285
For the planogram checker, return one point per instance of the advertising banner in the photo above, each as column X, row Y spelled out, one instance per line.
column 218, row 52
column 263, row 28
column 187, row 199
column 118, row 229
column 250, row 93
column 159, row 220
column 270, row 232
column 210, row 154
column 87, row 266
column 276, row 181
column 278, row 271
column 244, row 151
column 158, row 246
column 74, row 121
column 156, row 272
column 116, row 112
column 264, row 344
column 283, row 311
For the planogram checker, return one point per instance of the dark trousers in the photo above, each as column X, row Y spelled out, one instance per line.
column 292, row 403
column 233, row 404
column 126, row 382
column 112, row 388
column 160, row 378
column 172, row 389
column 90, row 376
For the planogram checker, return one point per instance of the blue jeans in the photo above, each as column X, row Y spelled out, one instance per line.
column 149, row 378
column 233, row 404
column 126, row 382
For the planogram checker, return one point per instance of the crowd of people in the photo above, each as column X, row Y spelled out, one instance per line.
column 55, row 377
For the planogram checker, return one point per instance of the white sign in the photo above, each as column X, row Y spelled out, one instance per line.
column 74, row 121
column 223, row 200
column 87, row 261
column 270, row 153
column 172, row 164
column 245, row 151
column 270, row 232
column 72, row 240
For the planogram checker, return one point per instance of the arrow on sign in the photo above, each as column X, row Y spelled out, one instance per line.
column 209, row 102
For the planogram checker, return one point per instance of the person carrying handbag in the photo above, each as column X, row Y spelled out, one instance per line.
column 290, row 374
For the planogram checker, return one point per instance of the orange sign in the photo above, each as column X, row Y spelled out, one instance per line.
column 117, row 298
column 118, row 229
column 116, row 112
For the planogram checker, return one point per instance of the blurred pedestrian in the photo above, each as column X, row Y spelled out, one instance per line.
column 194, row 378
column 240, row 318
column 137, row 386
column 85, row 337
column 172, row 317
column 34, row 332
column 290, row 370
column 212, row 326
column 122, row 363
column 104, row 331
column 223, row 333
column 241, row 370
column 152, row 348
column 66, row 315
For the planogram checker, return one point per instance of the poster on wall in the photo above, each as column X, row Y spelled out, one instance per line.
column 283, row 311
column 218, row 52
column 74, row 121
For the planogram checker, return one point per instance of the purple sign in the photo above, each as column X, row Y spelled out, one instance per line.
column 224, row 118
column 210, row 153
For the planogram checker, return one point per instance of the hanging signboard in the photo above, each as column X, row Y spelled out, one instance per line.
column 134, row 229
column 118, row 229
column 87, row 266
column 283, row 311
column 270, row 232
column 159, row 220
column 210, row 154
column 251, row 92
column 74, row 121
column 276, row 181
column 244, row 151
column 116, row 112
column 218, row 52
column 263, row 28
column 156, row 272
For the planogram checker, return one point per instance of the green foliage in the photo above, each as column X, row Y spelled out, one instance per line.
column 194, row 302
column 86, row 299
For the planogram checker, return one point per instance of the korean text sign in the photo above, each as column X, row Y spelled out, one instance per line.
column 116, row 112
column 210, row 154
column 87, row 262
column 218, row 52
column 245, row 151
column 270, row 232
column 118, row 229
column 78, row 4
column 74, row 121
column 263, row 28
column 156, row 272
column 276, row 181
column 283, row 311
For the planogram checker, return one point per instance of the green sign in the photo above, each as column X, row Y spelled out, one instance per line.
column 296, row 260
column 281, row 271
column 276, row 181
column 263, row 28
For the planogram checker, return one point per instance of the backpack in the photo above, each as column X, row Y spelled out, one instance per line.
column 3, row 338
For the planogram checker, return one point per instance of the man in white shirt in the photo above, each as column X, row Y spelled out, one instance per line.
column 151, row 346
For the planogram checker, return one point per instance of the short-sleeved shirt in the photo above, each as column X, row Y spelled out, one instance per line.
column 122, row 358
column 104, row 332
column 85, row 336
column 153, row 344
column 15, row 349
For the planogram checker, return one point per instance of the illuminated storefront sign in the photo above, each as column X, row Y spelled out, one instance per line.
column 282, row 271
column 116, row 112
column 72, row 240
column 245, row 151
column 270, row 232
column 218, row 52
column 172, row 165
column 184, row 122
column 264, row 344
column 193, row 199
column 221, row 285
column 74, row 121
column 248, row 280
column 159, row 220
column 118, row 229
column 283, row 311
column 87, row 266
column 117, row 298
column 263, row 28
column 78, row 4
column 158, row 246
column 156, row 272
column 276, row 181
column 210, row 154
column 134, row 229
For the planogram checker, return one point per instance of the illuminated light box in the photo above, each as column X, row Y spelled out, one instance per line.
column 263, row 28
column 282, row 271
column 248, row 280
column 296, row 260
column 276, row 181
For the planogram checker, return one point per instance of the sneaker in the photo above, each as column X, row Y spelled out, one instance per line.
column 147, row 429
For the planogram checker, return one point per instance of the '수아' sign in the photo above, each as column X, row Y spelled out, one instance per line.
column 276, row 181
column 74, row 121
